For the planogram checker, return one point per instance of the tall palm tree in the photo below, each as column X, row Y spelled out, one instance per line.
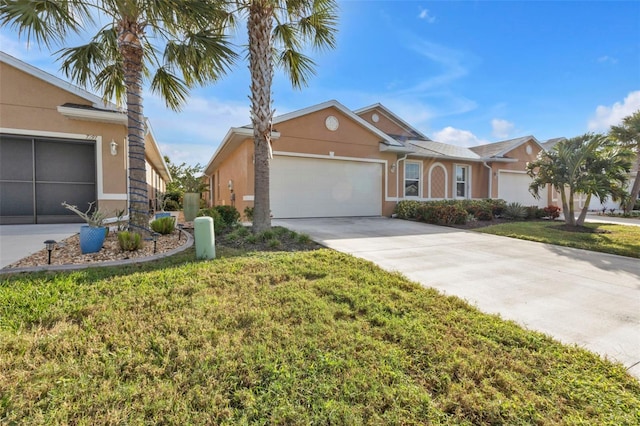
column 278, row 32
column 629, row 134
column 173, row 45
column 590, row 164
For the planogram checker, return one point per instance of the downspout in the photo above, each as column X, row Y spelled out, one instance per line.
column 484, row 163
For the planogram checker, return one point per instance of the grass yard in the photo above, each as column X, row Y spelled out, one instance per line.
column 623, row 240
column 313, row 337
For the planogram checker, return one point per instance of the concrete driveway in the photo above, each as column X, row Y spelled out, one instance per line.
column 19, row 241
column 587, row 298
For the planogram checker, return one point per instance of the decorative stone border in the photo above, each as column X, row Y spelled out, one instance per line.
column 72, row 267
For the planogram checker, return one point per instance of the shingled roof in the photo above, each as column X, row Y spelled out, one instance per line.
column 499, row 149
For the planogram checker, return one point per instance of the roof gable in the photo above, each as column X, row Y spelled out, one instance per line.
column 381, row 109
column 499, row 149
column 96, row 101
column 344, row 110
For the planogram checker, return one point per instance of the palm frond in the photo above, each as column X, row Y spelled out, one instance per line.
column 298, row 66
column 321, row 25
column 110, row 82
column 202, row 57
column 46, row 21
column 79, row 63
column 170, row 87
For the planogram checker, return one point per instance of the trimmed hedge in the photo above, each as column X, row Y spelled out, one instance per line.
column 449, row 212
column 442, row 213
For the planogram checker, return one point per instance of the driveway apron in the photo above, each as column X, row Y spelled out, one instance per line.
column 579, row 297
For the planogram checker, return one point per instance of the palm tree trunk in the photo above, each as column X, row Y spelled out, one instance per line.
column 635, row 190
column 583, row 213
column 259, row 25
column 567, row 205
column 132, row 53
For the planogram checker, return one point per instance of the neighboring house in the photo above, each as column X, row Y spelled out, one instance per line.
column 59, row 143
column 329, row 161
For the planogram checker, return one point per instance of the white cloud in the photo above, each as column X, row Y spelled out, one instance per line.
column 501, row 128
column 424, row 14
column 608, row 59
column 606, row 116
column 457, row 137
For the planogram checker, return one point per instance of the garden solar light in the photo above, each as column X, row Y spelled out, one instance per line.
column 50, row 245
column 180, row 226
column 155, row 241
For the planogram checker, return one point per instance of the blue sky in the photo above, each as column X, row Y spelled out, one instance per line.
column 464, row 73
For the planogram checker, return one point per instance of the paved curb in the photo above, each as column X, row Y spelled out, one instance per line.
column 189, row 243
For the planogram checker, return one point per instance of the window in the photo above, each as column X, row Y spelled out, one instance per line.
column 411, row 179
column 462, row 181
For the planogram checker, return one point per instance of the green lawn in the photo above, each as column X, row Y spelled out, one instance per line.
column 312, row 337
column 618, row 239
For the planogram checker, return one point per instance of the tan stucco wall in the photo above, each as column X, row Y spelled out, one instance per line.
column 30, row 104
column 519, row 154
column 478, row 176
column 384, row 123
column 305, row 135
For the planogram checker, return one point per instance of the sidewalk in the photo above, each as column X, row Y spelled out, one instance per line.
column 594, row 217
column 20, row 241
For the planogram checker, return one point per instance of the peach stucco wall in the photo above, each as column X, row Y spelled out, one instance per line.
column 305, row 135
column 478, row 177
column 522, row 158
column 384, row 123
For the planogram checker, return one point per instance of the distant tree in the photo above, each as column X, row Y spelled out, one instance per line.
column 185, row 178
column 628, row 133
column 173, row 44
column 590, row 164
column 278, row 32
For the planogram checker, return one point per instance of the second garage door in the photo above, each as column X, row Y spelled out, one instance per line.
column 513, row 187
column 310, row 187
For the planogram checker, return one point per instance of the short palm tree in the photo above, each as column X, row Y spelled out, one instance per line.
column 173, row 45
column 278, row 32
column 628, row 133
column 590, row 164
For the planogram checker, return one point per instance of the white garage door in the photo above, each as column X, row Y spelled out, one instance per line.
column 513, row 187
column 310, row 187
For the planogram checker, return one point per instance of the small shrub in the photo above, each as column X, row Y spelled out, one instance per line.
column 219, row 224
column 534, row 212
column 515, row 211
column 248, row 213
column 251, row 239
column 407, row 209
column 442, row 213
column 497, row 205
column 304, row 238
column 266, row 235
column 171, row 205
column 129, row 241
column 552, row 212
column 479, row 209
column 243, row 232
column 164, row 225
column 229, row 214
column 273, row 243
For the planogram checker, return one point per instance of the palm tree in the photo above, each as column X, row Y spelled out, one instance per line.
column 628, row 133
column 590, row 164
column 144, row 40
column 278, row 30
